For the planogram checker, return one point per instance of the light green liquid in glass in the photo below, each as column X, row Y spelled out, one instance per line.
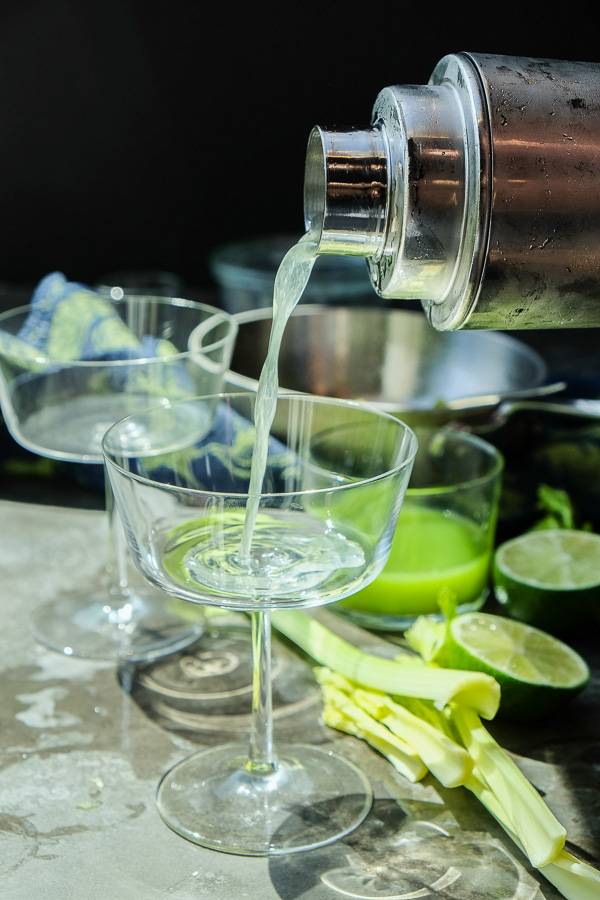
column 431, row 553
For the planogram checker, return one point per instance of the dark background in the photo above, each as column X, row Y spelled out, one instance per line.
column 142, row 134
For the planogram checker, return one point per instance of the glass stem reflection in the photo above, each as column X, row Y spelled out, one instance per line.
column 261, row 757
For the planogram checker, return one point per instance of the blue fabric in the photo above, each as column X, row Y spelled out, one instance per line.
column 221, row 461
column 70, row 322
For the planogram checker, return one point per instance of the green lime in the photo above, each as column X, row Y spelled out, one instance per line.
column 536, row 671
column 550, row 579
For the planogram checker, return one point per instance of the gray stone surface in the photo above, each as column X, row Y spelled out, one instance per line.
column 83, row 745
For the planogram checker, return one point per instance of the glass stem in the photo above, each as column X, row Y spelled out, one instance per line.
column 261, row 758
column 116, row 559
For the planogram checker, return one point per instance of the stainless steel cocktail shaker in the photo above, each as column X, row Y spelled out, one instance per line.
column 477, row 194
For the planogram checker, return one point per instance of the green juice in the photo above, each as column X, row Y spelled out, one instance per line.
column 431, row 552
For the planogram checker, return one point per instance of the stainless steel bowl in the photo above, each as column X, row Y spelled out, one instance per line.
column 392, row 358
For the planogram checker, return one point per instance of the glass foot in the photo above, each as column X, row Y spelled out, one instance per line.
column 147, row 625
column 311, row 798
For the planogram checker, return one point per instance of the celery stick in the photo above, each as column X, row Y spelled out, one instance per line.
column 340, row 712
column 449, row 762
column 425, row 710
column 473, row 689
column 327, row 676
column 574, row 879
column 426, row 637
column 410, row 767
column 445, row 759
column 537, row 829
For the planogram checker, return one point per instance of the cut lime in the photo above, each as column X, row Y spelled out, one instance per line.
column 535, row 670
column 550, row 579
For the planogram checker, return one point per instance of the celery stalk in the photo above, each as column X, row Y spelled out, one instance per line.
column 445, row 759
column 537, row 829
column 449, row 762
column 575, row 880
column 339, row 711
column 410, row 766
column 411, row 679
column 428, row 707
column 425, row 710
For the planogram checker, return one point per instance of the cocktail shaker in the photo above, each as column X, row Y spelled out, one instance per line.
column 477, row 194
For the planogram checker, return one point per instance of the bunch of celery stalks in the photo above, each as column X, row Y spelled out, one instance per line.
column 423, row 717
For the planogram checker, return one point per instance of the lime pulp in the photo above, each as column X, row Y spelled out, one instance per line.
column 550, row 579
column 535, row 670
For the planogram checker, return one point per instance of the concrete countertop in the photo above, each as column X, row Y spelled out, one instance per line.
column 84, row 744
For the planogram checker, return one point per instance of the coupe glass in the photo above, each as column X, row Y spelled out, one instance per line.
column 60, row 408
column 319, row 529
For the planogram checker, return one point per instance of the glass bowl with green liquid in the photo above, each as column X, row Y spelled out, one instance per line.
column 444, row 539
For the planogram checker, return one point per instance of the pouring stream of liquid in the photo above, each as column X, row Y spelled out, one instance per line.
column 290, row 282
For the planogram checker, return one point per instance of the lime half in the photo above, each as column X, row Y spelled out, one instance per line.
column 550, row 579
column 536, row 671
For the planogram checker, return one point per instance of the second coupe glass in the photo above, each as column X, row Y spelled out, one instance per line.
column 106, row 358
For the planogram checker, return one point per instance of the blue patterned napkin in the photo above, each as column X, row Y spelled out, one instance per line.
column 221, row 461
column 69, row 321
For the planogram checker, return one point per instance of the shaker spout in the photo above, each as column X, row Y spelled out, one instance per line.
column 346, row 190
column 396, row 193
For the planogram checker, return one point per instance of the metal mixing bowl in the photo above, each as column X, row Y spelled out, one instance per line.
column 392, row 358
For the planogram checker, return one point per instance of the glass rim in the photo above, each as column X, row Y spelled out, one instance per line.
column 468, row 483
column 214, row 313
column 245, row 495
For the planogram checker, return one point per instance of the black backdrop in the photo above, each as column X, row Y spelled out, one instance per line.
column 142, row 134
